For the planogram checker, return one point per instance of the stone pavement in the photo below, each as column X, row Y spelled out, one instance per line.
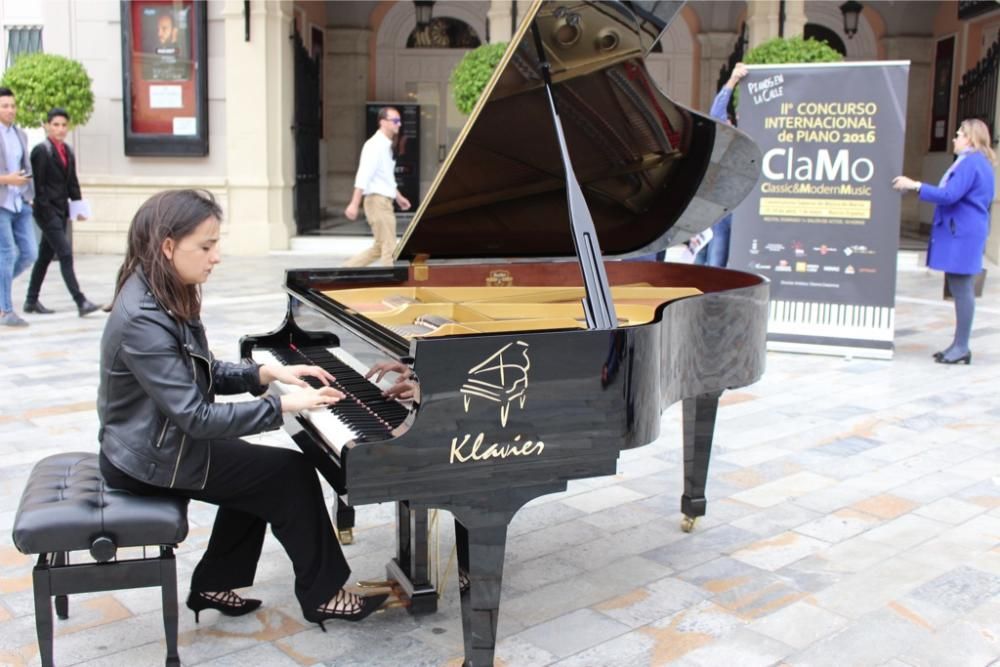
column 853, row 519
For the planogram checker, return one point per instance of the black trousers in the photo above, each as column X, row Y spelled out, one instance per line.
column 55, row 243
column 256, row 485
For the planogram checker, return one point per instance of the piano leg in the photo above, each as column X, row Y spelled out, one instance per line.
column 345, row 521
column 699, row 428
column 480, row 575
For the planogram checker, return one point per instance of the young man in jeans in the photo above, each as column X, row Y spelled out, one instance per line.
column 17, row 234
column 54, row 167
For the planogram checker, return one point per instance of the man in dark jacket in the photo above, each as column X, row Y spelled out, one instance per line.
column 54, row 169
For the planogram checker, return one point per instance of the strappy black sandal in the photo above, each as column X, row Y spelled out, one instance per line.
column 228, row 603
column 346, row 607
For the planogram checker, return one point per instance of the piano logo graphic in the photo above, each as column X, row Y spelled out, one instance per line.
column 501, row 378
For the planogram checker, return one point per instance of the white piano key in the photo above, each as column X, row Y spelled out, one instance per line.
column 335, row 432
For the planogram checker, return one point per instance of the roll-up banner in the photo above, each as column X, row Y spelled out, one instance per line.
column 823, row 222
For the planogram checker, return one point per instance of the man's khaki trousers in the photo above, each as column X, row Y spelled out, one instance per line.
column 382, row 219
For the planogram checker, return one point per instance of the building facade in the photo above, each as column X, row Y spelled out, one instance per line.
column 288, row 85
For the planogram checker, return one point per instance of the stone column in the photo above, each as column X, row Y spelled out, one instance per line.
column 918, row 51
column 499, row 17
column 795, row 18
column 715, row 50
column 260, row 95
column 345, row 69
column 762, row 21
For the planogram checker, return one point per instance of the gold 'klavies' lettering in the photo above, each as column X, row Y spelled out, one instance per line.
column 461, row 452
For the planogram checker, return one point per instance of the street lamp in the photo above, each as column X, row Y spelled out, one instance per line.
column 423, row 9
column 852, row 12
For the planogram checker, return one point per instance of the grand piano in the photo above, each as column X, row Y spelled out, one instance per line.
column 539, row 354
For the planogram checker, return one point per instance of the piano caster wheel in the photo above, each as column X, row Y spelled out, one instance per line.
column 346, row 536
column 687, row 525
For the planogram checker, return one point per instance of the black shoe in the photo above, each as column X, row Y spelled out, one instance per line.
column 346, row 610
column 964, row 359
column 937, row 355
column 37, row 307
column 86, row 308
column 226, row 602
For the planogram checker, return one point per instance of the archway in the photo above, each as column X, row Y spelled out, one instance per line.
column 826, row 18
column 823, row 34
column 420, row 75
column 672, row 67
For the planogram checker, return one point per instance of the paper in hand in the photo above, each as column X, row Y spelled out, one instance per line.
column 79, row 208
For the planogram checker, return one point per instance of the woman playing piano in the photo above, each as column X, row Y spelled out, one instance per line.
column 162, row 433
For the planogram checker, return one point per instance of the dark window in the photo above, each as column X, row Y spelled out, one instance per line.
column 824, row 34
column 22, row 40
column 443, row 33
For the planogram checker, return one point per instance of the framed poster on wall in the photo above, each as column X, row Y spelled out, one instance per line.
column 165, row 77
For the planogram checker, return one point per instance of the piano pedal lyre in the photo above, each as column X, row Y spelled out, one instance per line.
column 346, row 536
column 687, row 524
column 396, row 599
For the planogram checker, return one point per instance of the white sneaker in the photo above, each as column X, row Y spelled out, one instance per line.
column 12, row 319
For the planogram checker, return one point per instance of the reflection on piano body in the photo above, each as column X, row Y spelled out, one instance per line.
column 537, row 360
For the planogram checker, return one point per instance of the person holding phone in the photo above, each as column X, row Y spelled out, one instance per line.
column 55, row 185
column 17, row 233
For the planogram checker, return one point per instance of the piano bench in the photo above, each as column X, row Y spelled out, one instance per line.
column 66, row 506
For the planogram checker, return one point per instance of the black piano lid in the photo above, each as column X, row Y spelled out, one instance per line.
column 654, row 173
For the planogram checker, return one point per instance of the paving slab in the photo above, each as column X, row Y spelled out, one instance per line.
column 853, row 517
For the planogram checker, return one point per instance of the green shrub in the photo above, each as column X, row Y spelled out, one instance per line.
column 41, row 81
column 779, row 51
column 473, row 72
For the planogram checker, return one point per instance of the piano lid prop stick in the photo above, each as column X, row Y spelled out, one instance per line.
column 598, row 305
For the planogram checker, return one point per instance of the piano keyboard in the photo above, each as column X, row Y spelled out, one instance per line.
column 363, row 415
column 831, row 320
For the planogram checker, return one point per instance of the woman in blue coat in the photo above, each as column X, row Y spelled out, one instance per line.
column 961, row 225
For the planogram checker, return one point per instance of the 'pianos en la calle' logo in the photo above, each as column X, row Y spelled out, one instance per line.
column 503, row 379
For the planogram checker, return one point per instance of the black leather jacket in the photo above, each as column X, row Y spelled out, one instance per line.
column 157, row 390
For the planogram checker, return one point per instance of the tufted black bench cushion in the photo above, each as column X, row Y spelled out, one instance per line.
column 66, row 506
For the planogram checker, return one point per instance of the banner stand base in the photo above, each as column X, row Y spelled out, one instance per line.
column 848, row 351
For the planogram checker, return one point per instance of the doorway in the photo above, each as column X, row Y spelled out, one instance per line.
column 414, row 65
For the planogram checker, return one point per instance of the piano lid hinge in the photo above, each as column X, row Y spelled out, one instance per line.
column 420, row 269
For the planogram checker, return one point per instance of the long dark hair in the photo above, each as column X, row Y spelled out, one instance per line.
column 171, row 214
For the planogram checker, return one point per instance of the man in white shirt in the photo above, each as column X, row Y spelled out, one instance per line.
column 376, row 182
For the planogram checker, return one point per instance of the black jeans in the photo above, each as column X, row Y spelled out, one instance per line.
column 54, row 243
column 256, row 485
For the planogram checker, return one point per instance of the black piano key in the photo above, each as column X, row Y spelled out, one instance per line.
column 368, row 413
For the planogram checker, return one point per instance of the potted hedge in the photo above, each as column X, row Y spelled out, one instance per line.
column 788, row 50
column 473, row 72
column 41, row 81
column 779, row 51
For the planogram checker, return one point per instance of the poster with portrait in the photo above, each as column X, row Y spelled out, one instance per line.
column 164, row 52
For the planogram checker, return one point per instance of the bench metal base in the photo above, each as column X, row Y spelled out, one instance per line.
column 54, row 576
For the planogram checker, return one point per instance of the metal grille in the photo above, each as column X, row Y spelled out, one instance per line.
column 22, row 40
column 977, row 94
